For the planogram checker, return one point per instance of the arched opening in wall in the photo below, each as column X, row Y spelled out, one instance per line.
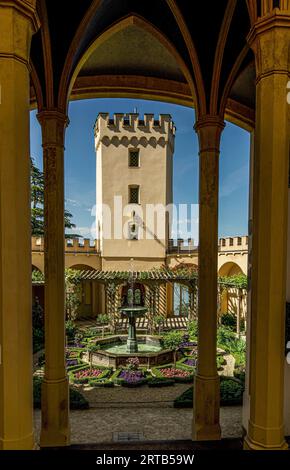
column 85, row 294
column 230, row 269
column 114, row 68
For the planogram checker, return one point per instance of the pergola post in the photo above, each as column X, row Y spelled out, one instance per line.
column 270, row 39
column 55, row 390
column 17, row 24
column 206, row 385
column 169, row 299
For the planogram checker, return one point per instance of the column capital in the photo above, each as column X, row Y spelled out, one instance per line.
column 18, row 21
column 26, row 8
column 53, row 123
column 209, row 130
column 269, row 39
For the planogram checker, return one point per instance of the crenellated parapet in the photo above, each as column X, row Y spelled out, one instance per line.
column 130, row 130
column 233, row 243
column 74, row 245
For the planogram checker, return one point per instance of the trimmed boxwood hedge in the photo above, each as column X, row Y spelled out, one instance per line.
column 77, row 400
column 160, row 382
column 101, row 383
column 231, row 394
column 124, row 383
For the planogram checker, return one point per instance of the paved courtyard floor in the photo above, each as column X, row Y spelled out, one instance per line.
column 145, row 413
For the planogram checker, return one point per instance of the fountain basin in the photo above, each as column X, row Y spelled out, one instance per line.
column 112, row 352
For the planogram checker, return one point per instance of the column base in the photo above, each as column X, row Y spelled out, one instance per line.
column 206, row 426
column 55, row 430
column 249, row 444
column 23, row 443
column 261, row 438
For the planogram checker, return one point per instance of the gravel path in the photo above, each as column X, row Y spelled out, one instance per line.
column 145, row 412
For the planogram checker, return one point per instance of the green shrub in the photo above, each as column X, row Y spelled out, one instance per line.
column 240, row 374
column 231, row 391
column 185, row 400
column 227, row 340
column 193, row 330
column 240, row 360
column 70, row 330
column 160, row 382
column 77, row 400
column 103, row 319
column 41, row 360
column 229, row 320
column 101, row 383
column 220, row 361
column 172, row 339
column 38, row 339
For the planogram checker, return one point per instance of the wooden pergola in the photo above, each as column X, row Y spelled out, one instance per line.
column 155, row 282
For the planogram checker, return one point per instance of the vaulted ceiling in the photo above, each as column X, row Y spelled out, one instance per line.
column 188, row 52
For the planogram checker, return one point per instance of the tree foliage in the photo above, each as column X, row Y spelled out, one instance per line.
column 37, row 203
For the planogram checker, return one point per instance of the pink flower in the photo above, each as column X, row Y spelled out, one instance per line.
column 171, row 372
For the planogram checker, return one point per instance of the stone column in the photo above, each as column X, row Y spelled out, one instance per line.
column 246, row 395
column 270, row 39
column 206, row 387
column 287, row 359
column 17, row 24
column 55, row 391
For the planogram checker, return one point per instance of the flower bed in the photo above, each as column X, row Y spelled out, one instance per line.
column 83, row 376
column 88, row 375
column 171, row 372
column 178, row 374
column 190, row 362
column 71, row 362
column 130, row 378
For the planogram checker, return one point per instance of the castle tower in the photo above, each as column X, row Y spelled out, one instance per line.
column 134, row 186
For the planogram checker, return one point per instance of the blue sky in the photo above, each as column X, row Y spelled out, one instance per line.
column 80, row 162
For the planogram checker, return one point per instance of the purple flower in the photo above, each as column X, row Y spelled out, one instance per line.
column 71, row 362
column 131, row 376
column 190, row 362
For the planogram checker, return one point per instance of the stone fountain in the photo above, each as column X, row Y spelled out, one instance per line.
column 114, row 351
column 132, row 311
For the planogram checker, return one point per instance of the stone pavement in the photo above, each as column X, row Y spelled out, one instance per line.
column 146, row 413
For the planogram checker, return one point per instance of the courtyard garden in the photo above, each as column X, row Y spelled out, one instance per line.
column 83, row 344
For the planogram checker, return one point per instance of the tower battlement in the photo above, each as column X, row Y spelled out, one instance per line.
column 119, row 129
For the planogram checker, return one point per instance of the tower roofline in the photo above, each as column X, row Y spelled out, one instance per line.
column 133, row 122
